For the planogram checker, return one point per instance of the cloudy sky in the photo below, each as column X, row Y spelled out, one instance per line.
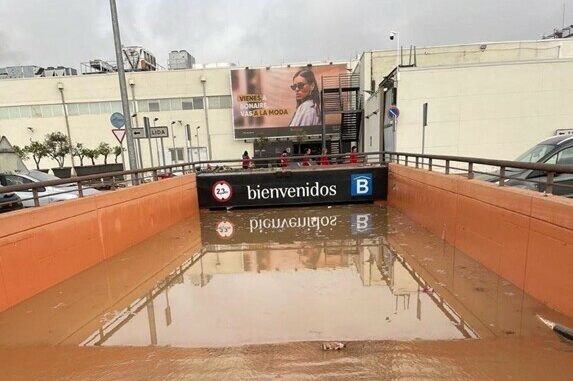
column 255, row 32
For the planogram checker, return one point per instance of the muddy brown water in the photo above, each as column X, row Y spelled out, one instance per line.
column 252, row 294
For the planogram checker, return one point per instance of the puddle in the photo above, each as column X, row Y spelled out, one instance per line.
column 287, row 275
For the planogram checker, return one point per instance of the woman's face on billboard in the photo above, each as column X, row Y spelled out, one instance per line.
column 301, row 87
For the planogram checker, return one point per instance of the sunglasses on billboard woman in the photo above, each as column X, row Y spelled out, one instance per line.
column 298, row 86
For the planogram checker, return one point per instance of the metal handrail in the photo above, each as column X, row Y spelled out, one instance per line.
column 365, row 158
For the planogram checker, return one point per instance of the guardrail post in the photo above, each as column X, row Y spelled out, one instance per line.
column 35, row 195
column 417, row 161
column 155, row 175
column 549, row 187
column 447, row 167
column 470, row 171
column 501, row 176
column 80, row 189
column 429, row 164
column 113, row 186
column 406, row 160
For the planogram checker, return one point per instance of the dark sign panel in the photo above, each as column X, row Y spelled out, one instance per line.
column 281, row 102
column 296, row 187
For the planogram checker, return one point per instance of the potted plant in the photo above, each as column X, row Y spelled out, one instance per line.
column 58, row 147
column 79, row 151
column 38, row 151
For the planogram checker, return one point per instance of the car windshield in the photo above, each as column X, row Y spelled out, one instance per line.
column 535, row 154
column 41, row 176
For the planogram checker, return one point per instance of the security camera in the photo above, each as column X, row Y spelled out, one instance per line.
column 393, row 34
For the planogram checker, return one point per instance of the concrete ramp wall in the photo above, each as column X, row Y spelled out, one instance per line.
column 525, row 237
column 40, row 247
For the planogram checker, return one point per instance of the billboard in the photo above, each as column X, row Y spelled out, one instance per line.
column 281, row 102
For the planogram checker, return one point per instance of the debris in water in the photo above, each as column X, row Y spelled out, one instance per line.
column 563, row 332
column 428, row 290
column 333, row 346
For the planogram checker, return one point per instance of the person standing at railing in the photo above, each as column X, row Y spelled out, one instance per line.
column 353, row 158
column 247, row 162
column 306, row 158
column 284, row 159
column 324, row 157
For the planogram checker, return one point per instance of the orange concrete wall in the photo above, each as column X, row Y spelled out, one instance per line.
column 525, row 237
column 41, row 247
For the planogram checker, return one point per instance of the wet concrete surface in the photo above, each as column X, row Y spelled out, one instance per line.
column 259, row 290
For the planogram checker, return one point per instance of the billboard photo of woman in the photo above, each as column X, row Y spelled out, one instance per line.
column 307, row 99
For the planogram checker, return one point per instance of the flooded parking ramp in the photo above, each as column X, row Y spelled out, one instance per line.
column 247, row 294
column 268, row 277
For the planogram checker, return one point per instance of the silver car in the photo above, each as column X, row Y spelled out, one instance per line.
column 46, row 195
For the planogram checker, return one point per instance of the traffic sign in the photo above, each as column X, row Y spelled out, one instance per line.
column 158, row 132
column 138, row 133
column 155, row 132
column 119, row 134
column 393, row 112
column 117, row 120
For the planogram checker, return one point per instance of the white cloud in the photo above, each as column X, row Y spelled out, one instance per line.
column 67, row 32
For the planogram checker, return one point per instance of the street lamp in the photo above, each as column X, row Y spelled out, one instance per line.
column 396, row 36
column 203, row 83
column 173, row 142
column 61, row 88
column 198, row 145
column 157, row 146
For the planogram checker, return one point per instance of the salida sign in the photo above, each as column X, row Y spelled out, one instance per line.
column 292, row 187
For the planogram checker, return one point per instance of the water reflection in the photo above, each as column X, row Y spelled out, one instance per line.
column 267, row 276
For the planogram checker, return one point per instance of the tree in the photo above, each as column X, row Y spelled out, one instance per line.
column 38, row 151
column 58, row 147
column 92, row 154
column 117, row 151
column 104, row 149
column 80, row 152
column 21, row 152
column 261, row 143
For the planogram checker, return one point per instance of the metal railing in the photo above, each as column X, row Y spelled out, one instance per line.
column 548, row 178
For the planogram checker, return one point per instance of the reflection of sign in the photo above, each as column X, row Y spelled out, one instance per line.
column 361, row 184
column 119, row 134
column 393, row 112
column 117, row 120
column 281, row 101
column 361, row 223
column 222, row 191
column 225, row 229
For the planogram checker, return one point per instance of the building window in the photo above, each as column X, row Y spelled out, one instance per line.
column 94, row 108
column 176, row 104
column 83, row 108
column 58, row 110
column 47, row 111
column 36, row 111
column 154, row 106
column 26, row 111
column 178, row 152
column 197, row 103
column 219, row 102
column 164, row 105
column 4, row 113
column 143, row 106
column 116, row 107
column 73, row 109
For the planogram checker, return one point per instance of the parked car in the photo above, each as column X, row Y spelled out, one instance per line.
column 9, row 202
column 554, row 150
column 47, row 194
